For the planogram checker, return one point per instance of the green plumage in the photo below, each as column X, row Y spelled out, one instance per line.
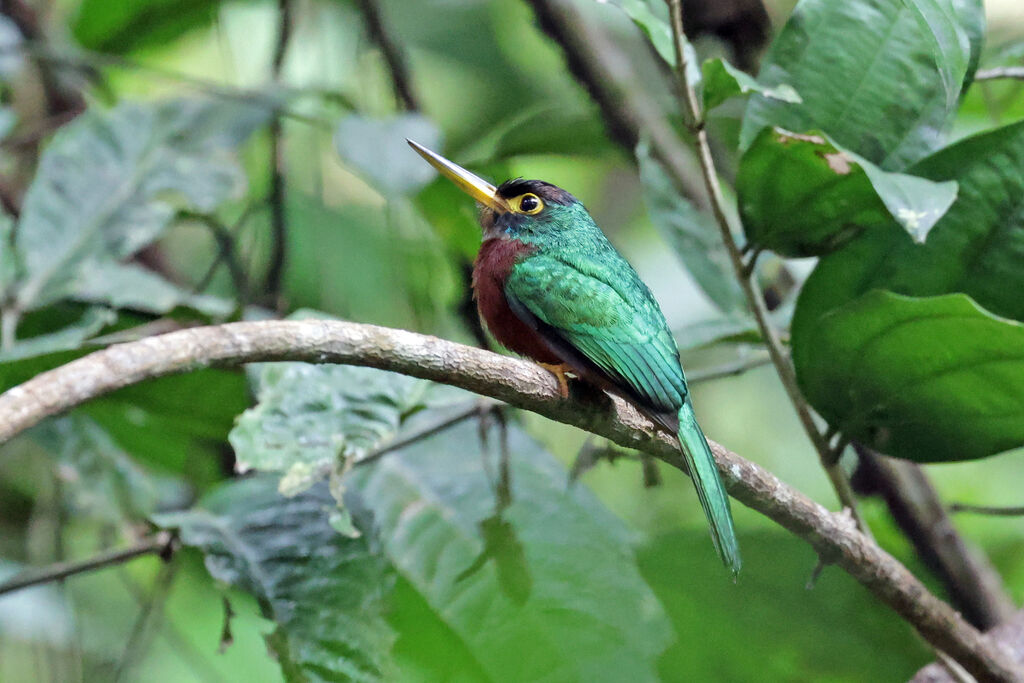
column 583, row 296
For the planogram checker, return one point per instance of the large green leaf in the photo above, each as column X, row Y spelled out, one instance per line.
column 881, row 77
column 976, row 247
column 111, row 182
column 558, row 580
column 325, row 592
column 800, row 195
column 120, row 26
column 311, row 418
column 693, row 234
column 926, row 379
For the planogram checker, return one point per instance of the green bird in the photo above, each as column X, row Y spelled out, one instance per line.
column 550, row 286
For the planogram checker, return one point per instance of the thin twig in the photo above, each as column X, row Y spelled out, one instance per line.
column 1012, row 72
column 196, row 659
column 737, row 367
column 755, row 299
column 441, row 424
column 392, row 52
column 225, row 238
column 987, row 510
column 524, row 385
column 158, row 543
column 149, row 615
column 276, row 198
column 59, row 100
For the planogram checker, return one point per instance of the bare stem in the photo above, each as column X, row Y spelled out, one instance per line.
column 392, row 52
column 524, row 385
column 987, row 510
column 159, row 543
column 755, row 299
column 737, row 367
column 276, row 198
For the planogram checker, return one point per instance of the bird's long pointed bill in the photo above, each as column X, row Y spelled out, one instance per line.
column 470, row 183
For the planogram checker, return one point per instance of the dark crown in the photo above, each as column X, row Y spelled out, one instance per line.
column 546, row 191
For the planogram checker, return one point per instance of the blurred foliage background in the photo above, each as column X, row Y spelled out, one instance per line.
column 299, row 193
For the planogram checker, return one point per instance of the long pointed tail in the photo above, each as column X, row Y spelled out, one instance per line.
column 712, row 494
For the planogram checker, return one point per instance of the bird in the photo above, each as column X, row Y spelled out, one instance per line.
column 551, row 287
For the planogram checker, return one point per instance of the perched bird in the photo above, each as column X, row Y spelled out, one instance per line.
column 550, row 286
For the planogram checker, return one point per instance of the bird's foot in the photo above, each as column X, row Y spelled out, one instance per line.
column 559, row 370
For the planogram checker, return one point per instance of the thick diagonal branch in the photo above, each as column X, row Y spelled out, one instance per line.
column 521, row 384
column 972, row 584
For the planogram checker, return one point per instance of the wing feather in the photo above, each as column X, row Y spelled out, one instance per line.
column 619, row 329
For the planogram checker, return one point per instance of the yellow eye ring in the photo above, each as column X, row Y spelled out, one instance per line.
column 528, row 203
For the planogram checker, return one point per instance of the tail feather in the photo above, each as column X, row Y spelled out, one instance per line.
column 712, row 494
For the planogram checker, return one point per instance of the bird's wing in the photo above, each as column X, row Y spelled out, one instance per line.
column 604, row 312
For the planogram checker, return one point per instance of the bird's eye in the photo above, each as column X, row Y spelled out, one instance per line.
column 530, row 204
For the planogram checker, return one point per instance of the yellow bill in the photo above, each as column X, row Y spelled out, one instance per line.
column 470, row 183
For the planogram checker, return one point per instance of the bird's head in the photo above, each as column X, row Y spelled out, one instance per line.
column 523, row 209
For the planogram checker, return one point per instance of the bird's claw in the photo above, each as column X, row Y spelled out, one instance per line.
column 559, row 370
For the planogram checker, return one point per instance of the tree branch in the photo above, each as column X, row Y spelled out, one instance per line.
column 1009, row 635
column 160, row 543
column 972, row 584
column 520, row 384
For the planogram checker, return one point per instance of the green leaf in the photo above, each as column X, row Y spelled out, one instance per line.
column 880, row 77
column 376, row 149
column 426, row 504
column 130, row 286
column 120, row 26
column 916, row 203
column 925, row 379
column 69, row 338
column 722, row 80
column 975, row 248
column 801, row 195
column 693, row 235
column 652, row 18
column 325, row 592
column 111, row 182
column 309, row 419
